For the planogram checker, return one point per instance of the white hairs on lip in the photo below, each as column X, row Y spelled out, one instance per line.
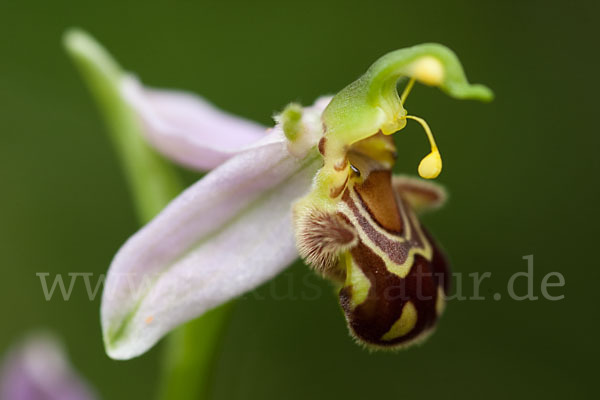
column 321, row 237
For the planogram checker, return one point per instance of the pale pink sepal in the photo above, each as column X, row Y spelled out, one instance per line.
column 186, row 128
column 38, row 369
column 223, row 236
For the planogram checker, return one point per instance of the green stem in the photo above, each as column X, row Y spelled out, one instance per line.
column 190, row 356
column 191, row 349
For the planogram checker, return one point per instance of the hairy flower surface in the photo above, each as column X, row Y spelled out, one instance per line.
column 319, row 185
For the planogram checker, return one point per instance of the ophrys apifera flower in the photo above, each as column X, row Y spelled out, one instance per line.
column 319, row 185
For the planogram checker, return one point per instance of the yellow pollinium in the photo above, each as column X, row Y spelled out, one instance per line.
column 431, row 165
column 356, row 279
column 428, row 70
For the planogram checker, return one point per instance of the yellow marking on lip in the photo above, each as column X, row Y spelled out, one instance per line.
column 440, row 303
column 404, row 324
column 149, row 320
column 360, row 284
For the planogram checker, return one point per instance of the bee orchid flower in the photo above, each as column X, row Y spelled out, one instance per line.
column 318, row 185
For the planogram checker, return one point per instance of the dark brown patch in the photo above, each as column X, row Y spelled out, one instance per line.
column 322, row 145
column 378, row 198
column 388, row 294
column 439, row 264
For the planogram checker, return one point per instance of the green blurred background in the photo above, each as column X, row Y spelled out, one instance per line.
column 520, row 171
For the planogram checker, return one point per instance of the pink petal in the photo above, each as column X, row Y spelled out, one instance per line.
column 186, row 128
column 39, row 370
column 223, row 236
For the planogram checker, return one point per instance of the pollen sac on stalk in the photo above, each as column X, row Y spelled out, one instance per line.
column 358, row 224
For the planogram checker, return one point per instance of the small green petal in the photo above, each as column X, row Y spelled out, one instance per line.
column 291, row 121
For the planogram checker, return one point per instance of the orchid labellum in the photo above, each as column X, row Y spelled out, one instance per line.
column 318, row 185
